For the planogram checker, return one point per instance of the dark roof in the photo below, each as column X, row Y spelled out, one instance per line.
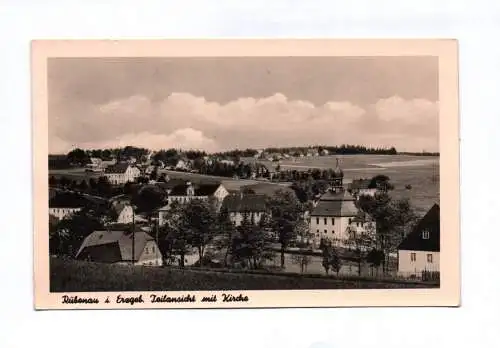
column 67, row 200
column 121, row 238
column 171, row 183
column 118, row 168
column 199, row 190
column 240, row 203
column 414, row 240
column 336, row 204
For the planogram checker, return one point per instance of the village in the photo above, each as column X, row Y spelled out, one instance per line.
column 238, row 210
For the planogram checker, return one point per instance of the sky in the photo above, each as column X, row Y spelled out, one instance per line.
column 225, row 103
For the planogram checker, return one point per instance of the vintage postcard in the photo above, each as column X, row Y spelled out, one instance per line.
column 245, row 173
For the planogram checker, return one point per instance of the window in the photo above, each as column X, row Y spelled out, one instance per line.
column 425, row 234
column 333, row 231
column 317, row 232
column 413, row 257
column 317, row 221
column 429, row 258
column 333, row 221
column 326, row 221
column 147, row 251
column 325, row 231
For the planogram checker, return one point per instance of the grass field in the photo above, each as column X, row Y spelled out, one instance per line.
column 422, row 173
column 77, row 276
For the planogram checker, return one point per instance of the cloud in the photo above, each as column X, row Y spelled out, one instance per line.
column 188, row 121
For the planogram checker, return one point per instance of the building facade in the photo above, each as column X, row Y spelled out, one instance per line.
column 122, row 173
column 420, row 249
column 245, row 206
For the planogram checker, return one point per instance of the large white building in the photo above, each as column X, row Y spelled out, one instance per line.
column 336, row 216
column 122, row 173
column 419, row 251
column 64, row 205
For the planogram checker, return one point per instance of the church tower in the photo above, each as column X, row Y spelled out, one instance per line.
column 337, row 181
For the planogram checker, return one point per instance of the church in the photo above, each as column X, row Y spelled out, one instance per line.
column 336, row 216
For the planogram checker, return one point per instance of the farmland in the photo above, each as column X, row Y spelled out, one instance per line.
column 78, row 276
column 422, row 173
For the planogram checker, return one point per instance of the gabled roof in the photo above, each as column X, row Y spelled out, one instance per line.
column 121, row 239
column 67, row 200
column 336, row 204
column 242, row 203
column 430, row 222
column 118, row 168
column 118, row 206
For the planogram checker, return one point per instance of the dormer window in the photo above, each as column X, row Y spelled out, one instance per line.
column 425, row 234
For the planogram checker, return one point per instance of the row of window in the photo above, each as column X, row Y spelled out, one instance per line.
column 325, row 222
column 324, row 231
column 413, row 257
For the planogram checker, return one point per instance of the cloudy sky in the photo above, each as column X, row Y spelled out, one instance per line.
column 225, row 103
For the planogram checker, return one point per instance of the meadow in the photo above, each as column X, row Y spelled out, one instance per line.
column 420, row 173
column 79, row 276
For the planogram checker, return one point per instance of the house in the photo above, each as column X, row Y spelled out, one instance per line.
column 325, row 152
column 63, row 205
column 419, row 251
column 122, row 173
column 362, row 187
column 241, row 206
column 124, row 212
column 186, row 192
column 183, row 165
column 120, row 246
column 95, row 164
column 108, row 163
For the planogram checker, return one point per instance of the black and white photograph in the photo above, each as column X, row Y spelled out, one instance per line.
column 232, row 175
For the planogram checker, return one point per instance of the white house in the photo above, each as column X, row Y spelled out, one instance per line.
column 187, row 192
column 124, row 212
column 122, row 173
column 183, row 165
column 419, row 251
column 362, row 187
column 115, row 246
column 63, row 205
column 241, row 206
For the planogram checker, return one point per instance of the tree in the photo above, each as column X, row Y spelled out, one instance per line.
column 381, row 182
column 392, row 218
column 227, row 231
column 360, row 241
column 176, row 235
column 331, row 259
column 202, row 219
column 302, row 259
column 154, row 174
column 78, row 157
column 103, row 186
column 250, row 244
column 149, row 199
column 375, row 258
column 83, row 186
column 248, row 190
column 68, row 235
column 286, row 212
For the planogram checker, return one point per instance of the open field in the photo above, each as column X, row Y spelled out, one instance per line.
column 77, row 276
column 422, row 173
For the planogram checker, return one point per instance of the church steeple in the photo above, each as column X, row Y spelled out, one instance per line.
column 338, row 178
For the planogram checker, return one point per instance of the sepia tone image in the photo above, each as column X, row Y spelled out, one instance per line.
column 178, row 174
